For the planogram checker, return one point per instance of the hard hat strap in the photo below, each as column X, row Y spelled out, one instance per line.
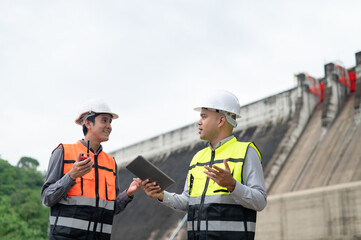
column 231, row 117
column 86, row 116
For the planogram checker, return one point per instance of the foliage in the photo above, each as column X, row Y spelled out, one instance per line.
column 22, row 216
column 28, row 162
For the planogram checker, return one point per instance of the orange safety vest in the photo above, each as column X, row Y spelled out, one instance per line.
column 88, row 209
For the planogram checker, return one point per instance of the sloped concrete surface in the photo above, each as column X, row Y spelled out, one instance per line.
column 317, row 193
column 322, row 156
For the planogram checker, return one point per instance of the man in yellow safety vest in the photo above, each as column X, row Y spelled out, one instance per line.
column 224, row 188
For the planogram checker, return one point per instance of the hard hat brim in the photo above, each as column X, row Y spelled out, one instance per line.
column 199, row 109
column 80, row 119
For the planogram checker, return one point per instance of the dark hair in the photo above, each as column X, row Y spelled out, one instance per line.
column 92, row 119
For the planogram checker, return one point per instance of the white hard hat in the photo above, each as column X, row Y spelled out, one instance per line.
column 91, row 109
column 224, row 101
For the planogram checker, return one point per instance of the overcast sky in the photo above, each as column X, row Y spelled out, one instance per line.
column 151, row 59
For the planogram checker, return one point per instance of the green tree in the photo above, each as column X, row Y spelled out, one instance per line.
column 22, row 216
column 28, row 162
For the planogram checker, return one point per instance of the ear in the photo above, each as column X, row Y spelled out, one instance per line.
column 221, row 120
column 88, row 124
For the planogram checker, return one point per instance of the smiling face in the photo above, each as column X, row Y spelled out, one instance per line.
column 100, row 129
column 208, row 125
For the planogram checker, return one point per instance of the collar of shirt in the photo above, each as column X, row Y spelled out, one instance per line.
column 86, row 145
column 223, row 141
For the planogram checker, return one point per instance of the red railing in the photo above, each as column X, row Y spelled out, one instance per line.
column 347, row 78
column 316, row 87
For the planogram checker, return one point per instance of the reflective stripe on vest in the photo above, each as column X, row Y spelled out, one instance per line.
column 88, row 209
column 87, row 201
column 211, row 208
column 225, row 226
column 79, row 224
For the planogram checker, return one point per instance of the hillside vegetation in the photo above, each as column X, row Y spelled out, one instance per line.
column 22, row 216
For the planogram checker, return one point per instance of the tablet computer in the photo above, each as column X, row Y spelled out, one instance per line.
column 145, row 169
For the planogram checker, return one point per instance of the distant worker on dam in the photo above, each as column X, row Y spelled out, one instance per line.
column 224, row 187
column 81, row 187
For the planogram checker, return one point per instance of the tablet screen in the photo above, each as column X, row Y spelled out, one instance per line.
column 145, row 169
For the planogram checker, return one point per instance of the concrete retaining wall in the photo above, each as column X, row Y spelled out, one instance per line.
column 162, row 144
column 358, row 89
column 322, row 213
column 268, row 111
column 335, row 95
column 304, row 107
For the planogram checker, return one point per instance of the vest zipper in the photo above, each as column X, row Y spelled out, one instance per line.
column 96, row 193
column 202, row 199
column 106, row 191
column 81, row 184
column 191, row 180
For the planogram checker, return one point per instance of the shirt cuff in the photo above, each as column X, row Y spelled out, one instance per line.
column 69, row 181
column 124, row 198
column 167, row 198
column 238, row 191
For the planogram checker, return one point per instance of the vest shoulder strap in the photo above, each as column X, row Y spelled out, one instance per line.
column 59, row 146
column 253, row 145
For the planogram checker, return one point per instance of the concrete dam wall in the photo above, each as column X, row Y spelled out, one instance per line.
column 134, row 222
column 311, row 158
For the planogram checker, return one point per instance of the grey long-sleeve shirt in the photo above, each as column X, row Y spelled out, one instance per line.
column 57, row 185
column 251, row 194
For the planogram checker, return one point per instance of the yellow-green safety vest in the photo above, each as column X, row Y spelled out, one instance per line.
column 212, row 212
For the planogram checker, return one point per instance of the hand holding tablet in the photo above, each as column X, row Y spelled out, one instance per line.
column 146, row 170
